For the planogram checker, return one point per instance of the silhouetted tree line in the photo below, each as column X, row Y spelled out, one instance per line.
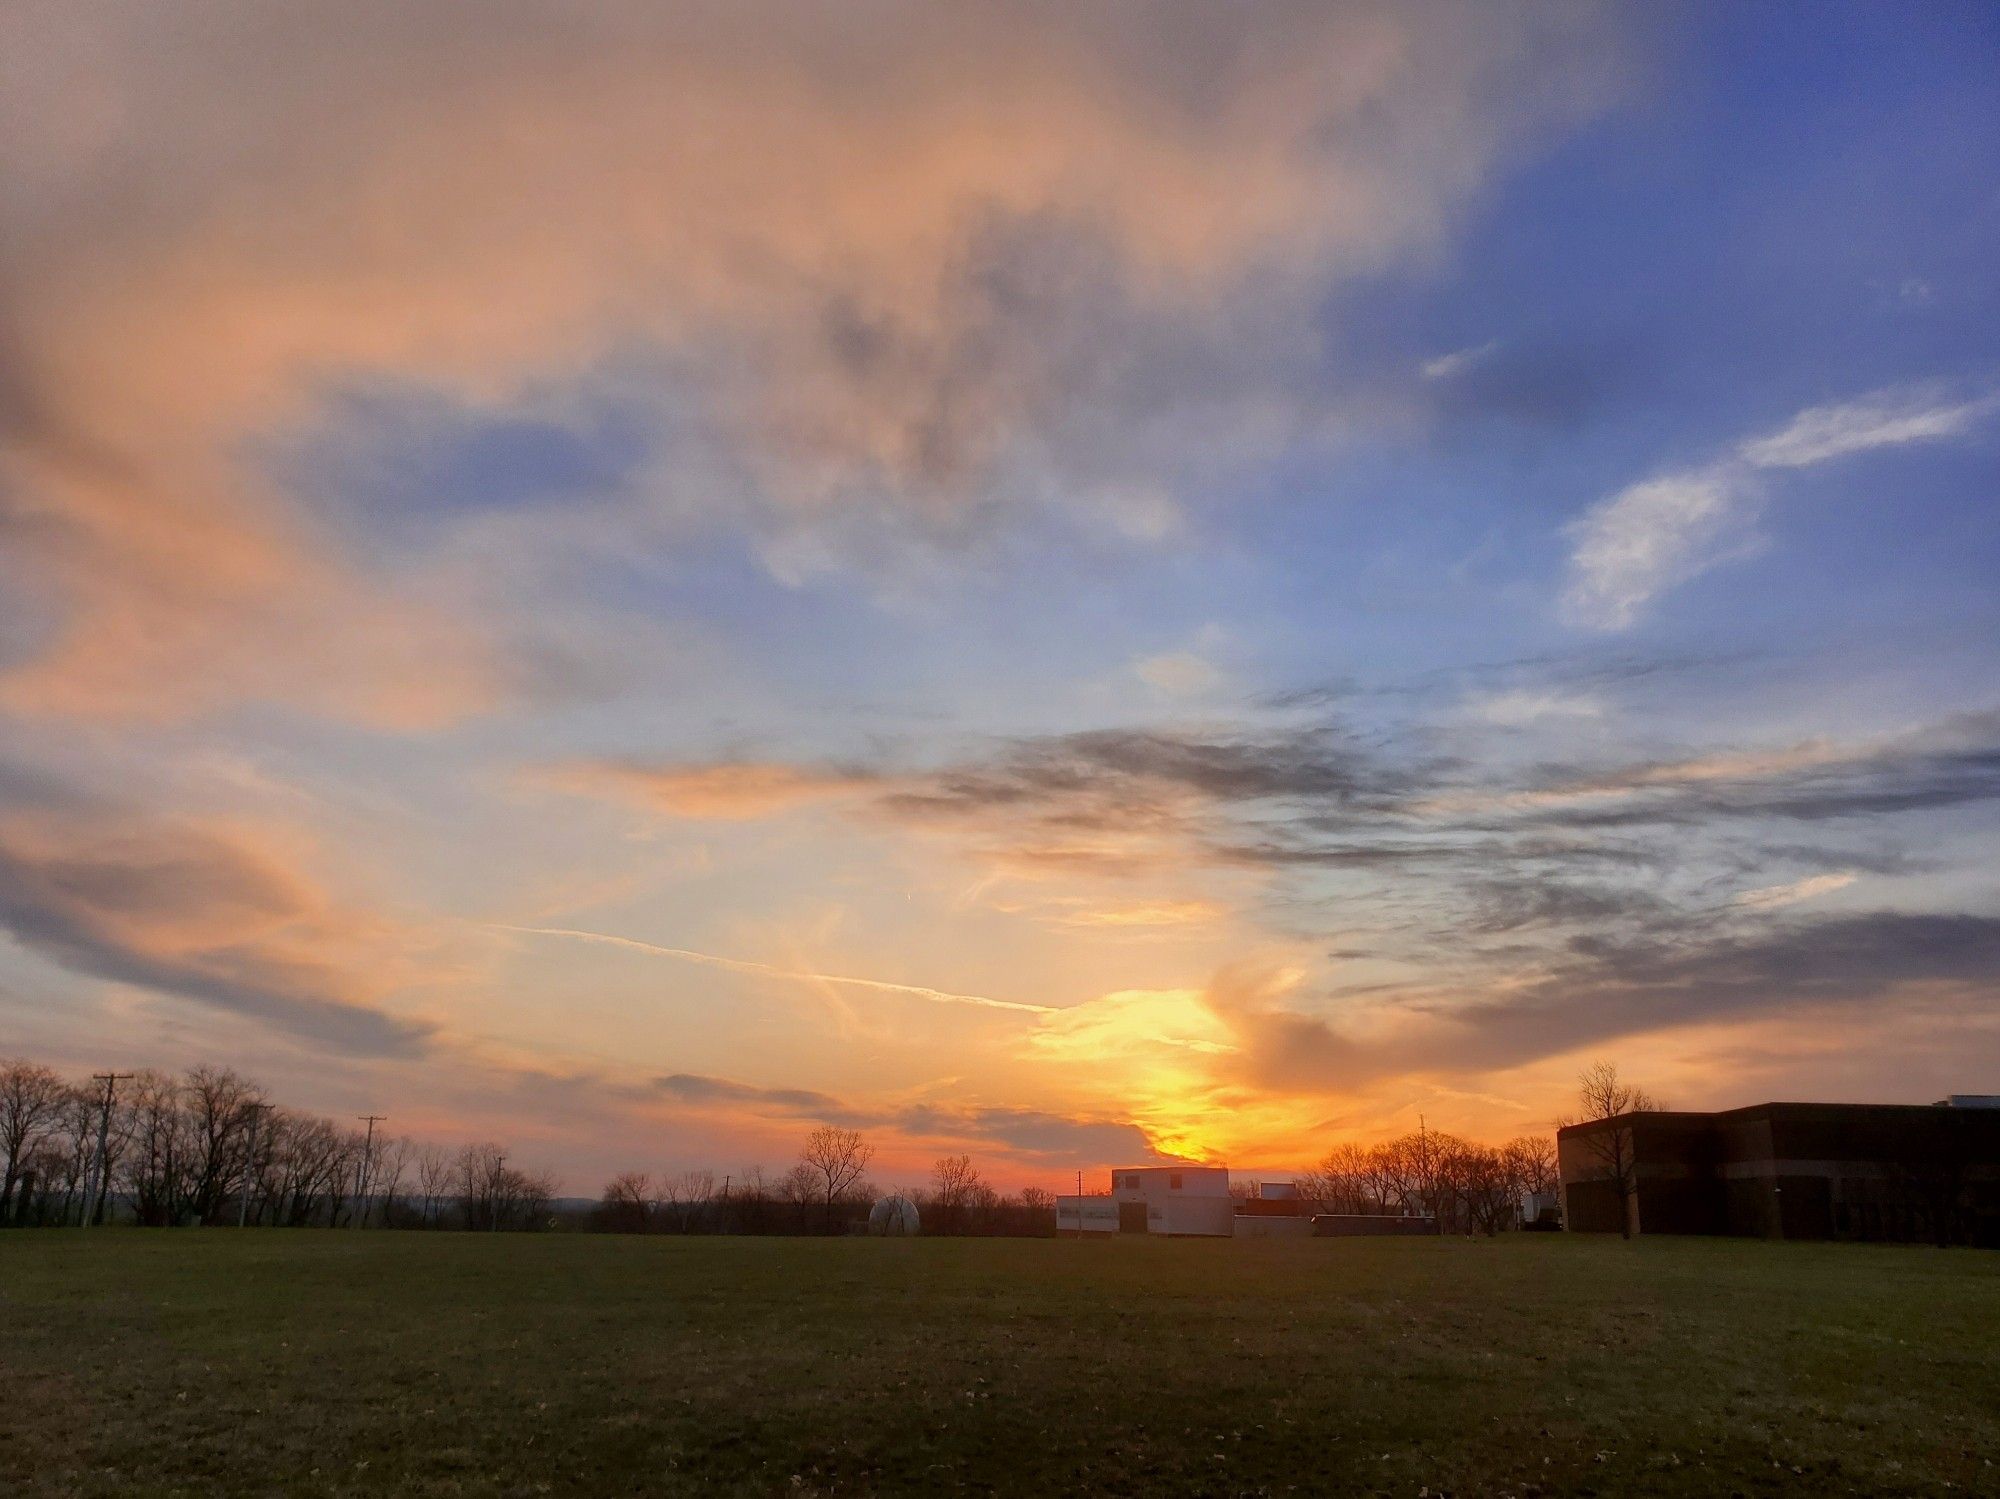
column 826, row 1191
column 1466, row 1187
column 208, row 1147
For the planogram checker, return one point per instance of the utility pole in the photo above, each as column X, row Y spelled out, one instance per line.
column 111, row 1080
column 256, row 1112
column 493, row 1199
column 361, row 1171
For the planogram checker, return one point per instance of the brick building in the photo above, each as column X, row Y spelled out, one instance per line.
column 1928, row 1173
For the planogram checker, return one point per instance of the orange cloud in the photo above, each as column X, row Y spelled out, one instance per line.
column 888, row 247
column 211, row 912
column 1163, row 913
column 727, row 791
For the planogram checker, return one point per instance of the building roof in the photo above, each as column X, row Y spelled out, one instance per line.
column 1131, row 1170
column 1883, row 1111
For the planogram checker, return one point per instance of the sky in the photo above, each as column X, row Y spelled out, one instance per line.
column 1069, row 584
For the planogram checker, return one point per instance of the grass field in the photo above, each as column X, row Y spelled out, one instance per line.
column 369, row 1363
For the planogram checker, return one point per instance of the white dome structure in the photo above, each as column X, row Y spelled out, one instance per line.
column 893, row 1217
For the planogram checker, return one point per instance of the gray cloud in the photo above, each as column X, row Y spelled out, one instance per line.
column 1610, row 987
column 1507, row 906
column 1319, row 795
column 1619, row 986
column 1953, row 763
column 1547, row 884
column 802, row 1102
column 1030, row 1133
column 200, row 913
column 1130, row 769
column 1313, row 802
column 1861, row 857
column 1570, row 669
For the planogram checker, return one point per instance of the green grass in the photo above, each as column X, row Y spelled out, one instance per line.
column 371, row 1363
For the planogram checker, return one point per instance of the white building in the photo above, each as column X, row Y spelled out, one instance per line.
column 1155, row 1200
column 1541, row 1209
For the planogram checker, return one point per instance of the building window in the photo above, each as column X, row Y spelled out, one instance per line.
column 1174, row 1181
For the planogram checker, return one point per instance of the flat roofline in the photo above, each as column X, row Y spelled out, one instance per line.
column 1777, row 1106
column 1134, row 1170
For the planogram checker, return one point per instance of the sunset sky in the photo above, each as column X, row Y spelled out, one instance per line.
column 1061, row 582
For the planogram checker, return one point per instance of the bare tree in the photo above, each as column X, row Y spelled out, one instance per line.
column 628, row 1205
column 309, row 1167
column 1482, row 1185
column 184, row 1148
column 392, row 1165
column 530, row 1195
column 480, row 1180
column 955, row 1186
column 982, row 1207
column 31, row 1098
column 75, row 1134
column 38, row 1196
column 1409, row 1173
column 836, row 1157
column 156, row 1160
column 1038, row 1199
column 494, row 1196
column 435, row 1173
column 1603, row 1095
column 799, row 1186
column 748, row 1205
column 1345, row 1181
column 1532, row 1160
column 684, row 1199
column 217, row 1103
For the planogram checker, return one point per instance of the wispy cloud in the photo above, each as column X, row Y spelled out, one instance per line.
column 1178, row 673
column 723, row 790
column 1110, row 800
column 1644, row 540
column 1458, row 361
column 793, row 975
column 1772, row 896
column 1886, row 419
column 1163, row 913
column 1529, row 705
column 1132, row 805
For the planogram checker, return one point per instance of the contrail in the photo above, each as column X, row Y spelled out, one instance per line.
column 744, row 965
